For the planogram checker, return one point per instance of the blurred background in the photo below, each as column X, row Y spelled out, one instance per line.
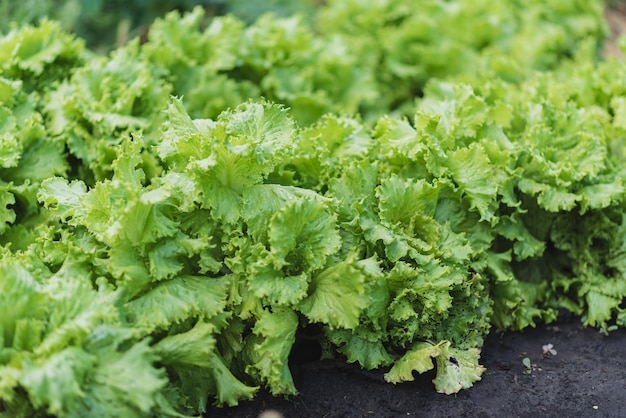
column 106, row 24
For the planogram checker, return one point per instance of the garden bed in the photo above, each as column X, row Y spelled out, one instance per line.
column 212, row 211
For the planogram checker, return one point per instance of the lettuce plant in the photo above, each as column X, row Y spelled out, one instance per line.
column 175, row 212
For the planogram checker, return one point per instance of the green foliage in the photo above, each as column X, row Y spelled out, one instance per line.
column 103, row 24
column 173, row 212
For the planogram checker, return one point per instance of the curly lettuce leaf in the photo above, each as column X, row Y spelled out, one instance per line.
column 294, row 233
column 22, row 298
column 456, row 369
column 471, row 170
column 226, row 156
column 39, row 55
column 112, row 390
column 269, row 348
column 336, row 295
column 302, row 235
column 115, row 392
column 409, row 205
column 369, row 352
column 29, row 156
column 101, row 104
column 71, row 334
column 419, row 358
column 192, row 356
column 183, row 297
column 56, row 381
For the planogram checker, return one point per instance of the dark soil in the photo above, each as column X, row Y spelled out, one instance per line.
column 586, row 378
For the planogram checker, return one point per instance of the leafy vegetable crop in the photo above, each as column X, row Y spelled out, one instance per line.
column 175, row 213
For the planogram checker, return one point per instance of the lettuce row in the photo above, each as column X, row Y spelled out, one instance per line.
column 198, row 241
column 371, row 58
column 185, row 242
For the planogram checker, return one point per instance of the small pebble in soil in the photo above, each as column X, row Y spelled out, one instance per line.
column 270, row 413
